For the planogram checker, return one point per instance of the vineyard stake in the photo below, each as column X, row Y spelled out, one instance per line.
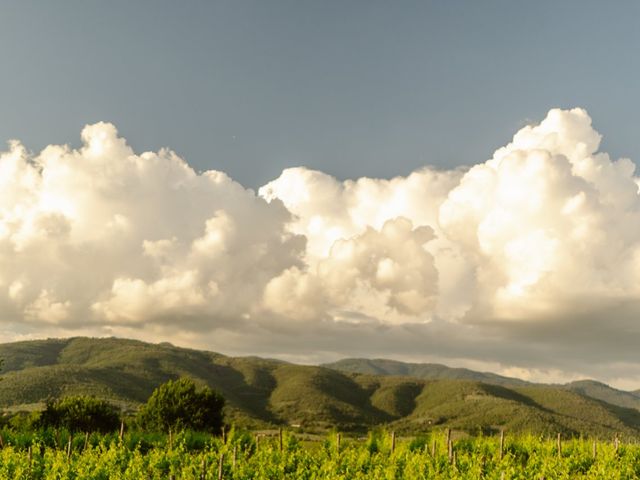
column 450, row 453
column 121, row 429
column 559, row 444
column 280, row 438
column 69, row 446
column 220, row 466
column 1, row 441
column 433, row 448
column 235, row 455
column 616, row 442
column 30, row 458
column 338, row 442
column 170, row 440
column 393, row 442
column 501, row 443
column 594, row 449
column 203, row 467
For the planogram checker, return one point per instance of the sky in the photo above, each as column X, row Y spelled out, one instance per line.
column 426, row 181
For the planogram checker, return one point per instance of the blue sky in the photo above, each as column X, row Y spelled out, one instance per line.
column 360, row 88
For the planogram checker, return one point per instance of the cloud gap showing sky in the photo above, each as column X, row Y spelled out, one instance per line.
column 526, row 264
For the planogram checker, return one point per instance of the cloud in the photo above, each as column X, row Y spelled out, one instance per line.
column 527, row 262
column 101, row 235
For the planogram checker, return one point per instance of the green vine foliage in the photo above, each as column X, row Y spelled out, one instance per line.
column 241, row 457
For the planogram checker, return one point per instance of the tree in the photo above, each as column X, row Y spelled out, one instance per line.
column 180, row 405
column 80, row 413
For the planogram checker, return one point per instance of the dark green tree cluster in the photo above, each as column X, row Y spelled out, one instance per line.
column 176, row 405
column 80, row 414
column 180, row 405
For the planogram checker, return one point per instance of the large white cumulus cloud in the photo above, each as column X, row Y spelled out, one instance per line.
column 102, row 235
column 543, row 225
column 374, row 246
column 532, row 247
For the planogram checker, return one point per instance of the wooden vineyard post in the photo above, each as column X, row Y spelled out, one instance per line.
column 1, row 441
column 559, row 444
column 121, row 430
column 501, row 443
column 235, row 456
column 170, row 440
column 616, row 443
column 433, row 448
column 203, row 469
column 338, row 443
column 220, row 464
column 594, row 452
column 393, row 442
column 69, row 446
column 30, row 459
column 449, row 446
column 280, row 438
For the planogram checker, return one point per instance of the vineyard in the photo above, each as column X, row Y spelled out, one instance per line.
column 241, row 455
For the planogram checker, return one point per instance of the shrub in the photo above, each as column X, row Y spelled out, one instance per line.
column 180, row 405
column 80, row 413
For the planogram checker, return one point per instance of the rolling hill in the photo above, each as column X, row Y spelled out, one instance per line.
column 429, row 371
column 604, row 392
column 434, row 371
column 263, row 392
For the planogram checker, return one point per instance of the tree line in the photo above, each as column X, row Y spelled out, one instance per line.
column 175, row 405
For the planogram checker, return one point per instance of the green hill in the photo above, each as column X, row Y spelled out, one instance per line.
column 263, row 392
column 601, row 391
column 478, row 407
column 429, row 371
column 433, row 371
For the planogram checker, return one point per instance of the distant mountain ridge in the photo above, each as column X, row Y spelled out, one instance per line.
column 262, row 392
column 430, row 371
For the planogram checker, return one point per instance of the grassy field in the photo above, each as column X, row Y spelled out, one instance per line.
column 378, row 456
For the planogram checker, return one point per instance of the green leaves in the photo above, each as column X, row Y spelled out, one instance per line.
column 240, row 457
column 80, row 414
column 180, row 405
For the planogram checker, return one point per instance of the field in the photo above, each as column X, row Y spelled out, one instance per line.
column 246, row 456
